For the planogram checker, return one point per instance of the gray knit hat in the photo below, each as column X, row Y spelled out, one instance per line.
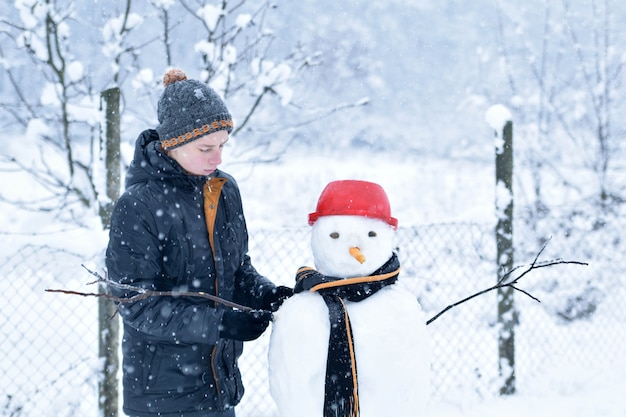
column 188, row 110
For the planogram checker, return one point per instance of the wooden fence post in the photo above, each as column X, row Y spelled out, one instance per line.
column 499, row 118
column 507, row 315
column 108, row 322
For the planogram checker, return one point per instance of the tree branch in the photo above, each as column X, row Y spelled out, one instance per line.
column 505, row 282
column 143, row 293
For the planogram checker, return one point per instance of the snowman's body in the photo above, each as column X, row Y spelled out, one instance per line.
column 391, row 344
column 391, row 347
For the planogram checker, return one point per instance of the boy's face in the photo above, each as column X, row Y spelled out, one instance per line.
column 203, row 155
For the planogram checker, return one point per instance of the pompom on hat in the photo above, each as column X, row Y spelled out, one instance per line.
column 188, row 110
column 354, row 198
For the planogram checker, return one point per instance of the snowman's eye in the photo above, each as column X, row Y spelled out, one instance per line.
column 372, row 234
column 334, row 235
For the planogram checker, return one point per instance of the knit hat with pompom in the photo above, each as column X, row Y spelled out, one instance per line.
column 188, row 110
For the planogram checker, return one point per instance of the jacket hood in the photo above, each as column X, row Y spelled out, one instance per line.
column 151, row 163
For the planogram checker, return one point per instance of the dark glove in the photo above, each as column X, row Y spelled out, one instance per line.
column 274, row 298
column 244, row 325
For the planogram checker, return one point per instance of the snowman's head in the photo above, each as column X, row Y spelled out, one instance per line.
column 350, row 246
column 352, row 229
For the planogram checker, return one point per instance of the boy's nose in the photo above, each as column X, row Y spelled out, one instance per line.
column 215, row 159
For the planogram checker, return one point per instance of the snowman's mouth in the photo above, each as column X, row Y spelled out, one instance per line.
column 356, row 253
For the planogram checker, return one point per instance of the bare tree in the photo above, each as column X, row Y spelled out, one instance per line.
column 235, row 53
column 566, row 76
column 599, row 74
column 64, row 111
column 58, row 104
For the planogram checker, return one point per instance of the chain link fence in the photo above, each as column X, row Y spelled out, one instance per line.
column 49, row 342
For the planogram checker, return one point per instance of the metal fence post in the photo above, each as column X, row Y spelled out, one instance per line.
column 507, row 316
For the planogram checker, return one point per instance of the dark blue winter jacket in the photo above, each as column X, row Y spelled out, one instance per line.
column 174, row 362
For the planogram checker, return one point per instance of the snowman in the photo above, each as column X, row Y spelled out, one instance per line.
column 352, row 341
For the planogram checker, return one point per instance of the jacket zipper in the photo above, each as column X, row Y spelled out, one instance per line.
column 211, row 192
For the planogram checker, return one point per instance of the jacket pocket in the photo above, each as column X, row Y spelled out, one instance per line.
column 230, row 382
column 170, row 367
column 232, row 391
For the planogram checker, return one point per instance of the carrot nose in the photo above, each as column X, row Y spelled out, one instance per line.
column 356, row 254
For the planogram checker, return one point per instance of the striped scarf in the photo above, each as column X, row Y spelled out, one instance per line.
column 341, row 396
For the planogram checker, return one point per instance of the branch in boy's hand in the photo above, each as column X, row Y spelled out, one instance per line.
column 505, row 282
column 143, row 293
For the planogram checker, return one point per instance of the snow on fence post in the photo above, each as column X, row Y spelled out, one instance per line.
column 108, row 322
column 499, row 118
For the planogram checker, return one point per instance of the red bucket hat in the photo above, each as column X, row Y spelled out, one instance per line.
column 354, row 198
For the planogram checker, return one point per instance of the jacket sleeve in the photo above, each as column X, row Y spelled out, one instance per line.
column 251, row 286
column 133, row 258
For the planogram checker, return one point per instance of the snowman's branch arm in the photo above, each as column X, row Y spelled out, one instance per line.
column 485, row 291
column 530, row 268
column 502, row 282
column 142, row 293
column 451, row 306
